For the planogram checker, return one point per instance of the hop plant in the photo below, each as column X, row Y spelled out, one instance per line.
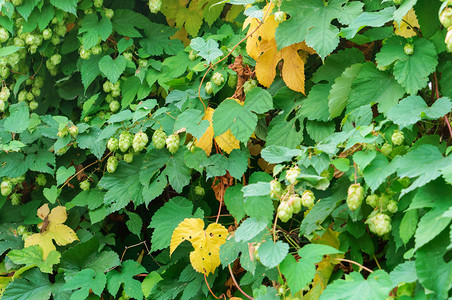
column 397, row 138
column 6, row 188
column 295, row 202
column 172, row 142
column 280, row 17
column 275, row 189
column 41, row 180
column 218, row 79
column 15, row 198
column 232, row 81
column 408, row 49
column 63, row 132
column 55, row 59
column 114, row 106
column 140, row 141
column 199, row 190
column 307, row 199
column 372, row 200
column 128, row 157
column 155, row 6
column 73, row 130
column 47, row 34
column 355, row 196
column 192, row 55
column 446, row 17
column 249, row 85
column 392, row 206
column 448, row 41
column 292, row 174
column 284, row 211
column 113, row 144
column 159, row 139
column 209, row 88
column 85, row 185
column 386, row 149
column 112, row 164
column 21, row 230
column 379, row 223
column 125, row 141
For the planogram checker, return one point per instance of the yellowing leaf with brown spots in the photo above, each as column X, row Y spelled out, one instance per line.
column 52, row 229
column 406, row 27
column 261, row 46
column 205, row 257
column 226, row 141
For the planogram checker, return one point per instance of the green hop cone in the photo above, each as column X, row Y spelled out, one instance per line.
column 63, row 132
column 295, row 202
column 379, row 223
column 284, row 211
column 275, row 189
column 408, row 49
column 372, row 200
column 386, row 149
column 192, row 55
column 218, row 79
column 114, row 105
column 392, row 206
column 41, row 180
column 172, row 142
column 292, row 174
column 307, row 199
column 397, row 2
column 397, row 138
column 125, row 141
column 73, row 130
column 15, row 199
column 155, row 6
column 140, row 141
column 280, row 17
column 199, row 190
column 112, row 164
column 6, row 188
column 21, row 230
column 209, row 88
column 85, row 185
column 405, row 181
column 159, row 139
column 113, row 144
column 446, row 17
column 128, row 157
column 448, row 41
column 232, row 81
column 355, row 196
column 249, row 85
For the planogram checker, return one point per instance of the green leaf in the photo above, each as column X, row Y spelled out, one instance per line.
column 311, row 21
column 371, row 19
column 285, row 131
column 408, row 225
column 405, row 272
column 42, row 161
column 272, row 254
column 208, row 50
column 249, row 229
column 377, row 286
column 51, row 193
column 134, row 224
column 84, row 282
column 433, row 271
column 7, row 50
column 237, row 163
column 412, row 71
column 92, row 198
column 69, row 6
column 363, row 159
column 112, row 68
column 413, row 109
column 166, row 219
column 233, row 116
column 90, row 140
column 126, row 22
column 27, row 7
column 426, row 13
column 190, row 119
column 403, row 9
column 299, row 274
column 94, row 29
column 32, row 285
column 32, row 256
column 315, row 106
column 132, row 287
column 85, row 255
column 123, row 186
column 265, row 293
column 319, row 130
column 342, row 164
column 158, row 40
column 62, row 174
column 377, row 172
column 233, row 198
column 89, row 70
column 258, row 100
column 279, row 154
column 13, row 164
column 18, row 119
column 176, row 170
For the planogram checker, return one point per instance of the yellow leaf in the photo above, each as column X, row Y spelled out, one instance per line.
column 406, row 27
column 261, row 46
column 205, row 257
column 52, row 229
column 206, row 141
column 227, row 142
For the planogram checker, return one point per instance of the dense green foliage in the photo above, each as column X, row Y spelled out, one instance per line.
column 134, row 134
